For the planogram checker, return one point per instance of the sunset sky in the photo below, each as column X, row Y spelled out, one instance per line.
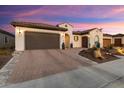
column 110, row 18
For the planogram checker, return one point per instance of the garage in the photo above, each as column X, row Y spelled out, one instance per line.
column 39, row 40
column 117, row 42
column 106, row 42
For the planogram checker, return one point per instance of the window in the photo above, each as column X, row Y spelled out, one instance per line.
column 96, row 38
column 6, row 40
column 76, row 38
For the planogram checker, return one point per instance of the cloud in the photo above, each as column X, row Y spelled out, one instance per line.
column 4, row 13
column 30, row 13
column 83, row 11
column 116, row 12
column 110, row 18
column 111, row 27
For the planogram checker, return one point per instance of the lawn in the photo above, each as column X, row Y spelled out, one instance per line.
column 5, row 56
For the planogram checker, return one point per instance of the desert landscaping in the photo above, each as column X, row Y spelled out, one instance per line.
column 5, row 56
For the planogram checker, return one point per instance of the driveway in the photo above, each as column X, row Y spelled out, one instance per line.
column 34, row 64
column 63, row 69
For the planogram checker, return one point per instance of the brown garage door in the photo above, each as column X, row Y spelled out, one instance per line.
column 38, row 40
column 106, row 42
column 117, row 43
column 85, row 42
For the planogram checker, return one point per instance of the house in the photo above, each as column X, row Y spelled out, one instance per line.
column 115, row 40
column 88, row 38
column 29, row 36
column 118, row 40
column 6, row 39
column 107, row 40
column 39, row 36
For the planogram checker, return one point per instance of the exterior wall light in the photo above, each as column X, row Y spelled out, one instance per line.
column 19, row 32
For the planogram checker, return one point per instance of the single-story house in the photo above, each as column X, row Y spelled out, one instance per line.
column 43, row 36
column 107, row 40
column 6, row 39
column 118, row 40
column 29, row 36
column 115, row 40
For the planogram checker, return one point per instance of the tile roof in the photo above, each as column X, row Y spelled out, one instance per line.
column 38, row 25
column 83, row 32
column 105, row 34
column 118, row 35
column 7, row 33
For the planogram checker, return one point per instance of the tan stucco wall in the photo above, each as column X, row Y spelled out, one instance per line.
column 77, row 44
column 123, row 40
column 69, row 32
column 92, row 36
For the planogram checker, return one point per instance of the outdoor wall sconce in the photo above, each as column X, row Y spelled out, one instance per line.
column 19, row 32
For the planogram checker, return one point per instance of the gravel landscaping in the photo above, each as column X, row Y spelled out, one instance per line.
column 5, row 56
column 4, row 60
column 89, row 53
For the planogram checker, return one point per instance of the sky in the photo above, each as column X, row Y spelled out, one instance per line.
column 108, row 17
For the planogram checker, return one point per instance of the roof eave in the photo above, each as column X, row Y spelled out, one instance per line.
column 39, row 27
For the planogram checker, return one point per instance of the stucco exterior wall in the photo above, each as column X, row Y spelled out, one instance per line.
column 123, row 40
column 10, row 41
column 92, row 37
column 20, row 36
column 69, row 32
column 77, row 44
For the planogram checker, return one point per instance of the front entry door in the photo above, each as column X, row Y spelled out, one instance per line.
column 85, row 42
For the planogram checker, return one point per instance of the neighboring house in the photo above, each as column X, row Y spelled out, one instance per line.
column 107, row 40
column 30, row 36
column 115, row 40
column 6, row 39
column 118, row 40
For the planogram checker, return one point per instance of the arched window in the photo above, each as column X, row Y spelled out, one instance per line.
column 96, row 38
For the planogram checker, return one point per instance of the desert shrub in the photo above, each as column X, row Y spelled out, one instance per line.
column 63, row 45
column 111, row 46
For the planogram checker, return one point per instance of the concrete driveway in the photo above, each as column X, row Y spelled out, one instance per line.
column 34, row 64
column 63, row 68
